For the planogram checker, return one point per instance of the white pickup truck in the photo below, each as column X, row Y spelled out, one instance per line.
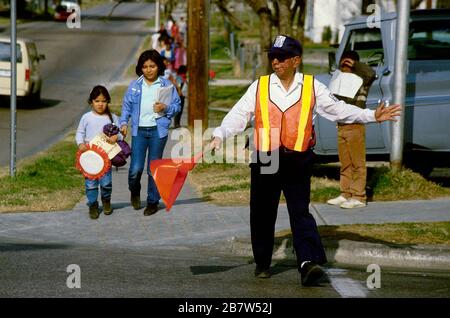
column 427, row 111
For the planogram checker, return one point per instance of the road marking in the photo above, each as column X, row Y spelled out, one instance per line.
column 345, row 286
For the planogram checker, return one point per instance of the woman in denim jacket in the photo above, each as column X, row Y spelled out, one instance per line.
column 150, row 121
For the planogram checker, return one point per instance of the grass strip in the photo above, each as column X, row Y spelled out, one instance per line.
column 49, row 182
column 429, row 233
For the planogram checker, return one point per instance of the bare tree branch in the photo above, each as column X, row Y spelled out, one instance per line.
column 222, row 5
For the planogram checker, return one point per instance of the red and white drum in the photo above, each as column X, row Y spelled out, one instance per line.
column 93, row 163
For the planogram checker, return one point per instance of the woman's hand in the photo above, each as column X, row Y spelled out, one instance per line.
column 124, row 130
column 113, row 139
column 387, row 113
column 159, row 107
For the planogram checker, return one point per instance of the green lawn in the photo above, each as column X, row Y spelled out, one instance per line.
column 394, row 234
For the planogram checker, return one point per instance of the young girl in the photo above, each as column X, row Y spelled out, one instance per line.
column 91, row 124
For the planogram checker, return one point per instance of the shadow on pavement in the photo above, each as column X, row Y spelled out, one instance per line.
column 331, row 235
column 201, row 270
column 24, row 105
column 16, row 247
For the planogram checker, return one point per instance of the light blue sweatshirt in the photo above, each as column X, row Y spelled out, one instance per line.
column 91, row 124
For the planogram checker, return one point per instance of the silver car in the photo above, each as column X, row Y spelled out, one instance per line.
column 427, row 111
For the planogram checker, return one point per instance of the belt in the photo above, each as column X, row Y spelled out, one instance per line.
column 147, row 127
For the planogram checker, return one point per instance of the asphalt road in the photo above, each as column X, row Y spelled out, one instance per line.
column 76, row 60
column 33, row 269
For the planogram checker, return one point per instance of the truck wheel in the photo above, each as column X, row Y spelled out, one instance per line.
column 422, row 167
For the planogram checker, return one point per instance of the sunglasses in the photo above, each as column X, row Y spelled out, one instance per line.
column 280, row 57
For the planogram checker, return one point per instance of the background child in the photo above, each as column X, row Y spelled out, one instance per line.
column 181, row 84
column 91, row 124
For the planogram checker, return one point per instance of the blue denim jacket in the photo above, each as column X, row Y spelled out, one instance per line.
column 131, row 107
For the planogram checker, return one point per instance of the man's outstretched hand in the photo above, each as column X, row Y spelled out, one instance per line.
column 387, row 113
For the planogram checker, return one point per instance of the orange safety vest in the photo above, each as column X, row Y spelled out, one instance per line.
column 292, row 128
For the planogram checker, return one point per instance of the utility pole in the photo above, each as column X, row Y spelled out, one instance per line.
column 400, row 69
column 157, row 16
column 12, row 162
column 198, row 51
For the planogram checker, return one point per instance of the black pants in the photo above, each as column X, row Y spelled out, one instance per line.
column 293, row 177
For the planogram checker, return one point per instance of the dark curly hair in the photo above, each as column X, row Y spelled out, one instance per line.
column 351, row 55
column 96, row 92
column 154, row 56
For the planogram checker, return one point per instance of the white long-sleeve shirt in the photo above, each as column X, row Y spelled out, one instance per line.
column 91, row 124
column 326, row 106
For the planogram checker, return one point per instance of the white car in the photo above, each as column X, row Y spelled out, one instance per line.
column 29, row 81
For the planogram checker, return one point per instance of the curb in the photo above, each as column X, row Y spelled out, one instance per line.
column 346, row 252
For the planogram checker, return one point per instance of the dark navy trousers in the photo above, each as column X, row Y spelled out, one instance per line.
column 293, row 177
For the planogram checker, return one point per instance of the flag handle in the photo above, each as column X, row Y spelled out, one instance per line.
column 209, row 147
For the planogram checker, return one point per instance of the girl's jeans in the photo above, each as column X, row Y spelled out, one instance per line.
column 105, row 183
column 146, row 142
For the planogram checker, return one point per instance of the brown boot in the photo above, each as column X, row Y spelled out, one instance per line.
column 151, row 209
column 107, row 208
column 136, row 201
column 93, row 211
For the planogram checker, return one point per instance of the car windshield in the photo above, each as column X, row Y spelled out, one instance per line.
column 429, row 40
column 5, row 52
column 368, row 44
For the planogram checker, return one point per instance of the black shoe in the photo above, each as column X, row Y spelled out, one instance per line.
column 262, row 272
column 93, row 211
column 311, row 274
column 107, row 208
column 136, row 201
column 151, row 209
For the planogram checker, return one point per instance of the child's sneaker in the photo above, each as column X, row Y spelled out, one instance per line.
column 93, row 211
column 107, row 208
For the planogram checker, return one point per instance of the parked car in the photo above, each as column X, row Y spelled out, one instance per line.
column 62, row 13
column 427, row 105
column 29, row 81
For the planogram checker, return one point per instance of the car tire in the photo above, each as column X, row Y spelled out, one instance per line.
column 34, row 100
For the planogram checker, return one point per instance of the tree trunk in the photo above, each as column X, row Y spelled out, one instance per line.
column 222, row 5
column 301, row 20
column 265, row 18
column 443, row 4
column 415, row 4
column 284, row 17
column 301, row 26
column 365, row 4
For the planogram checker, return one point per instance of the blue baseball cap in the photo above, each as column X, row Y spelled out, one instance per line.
column 285, row 47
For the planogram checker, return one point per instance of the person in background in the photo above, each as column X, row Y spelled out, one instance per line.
column 150, row 121
column 168, row 51
column 351, row 84
column 181, row 82
column 180, row 55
